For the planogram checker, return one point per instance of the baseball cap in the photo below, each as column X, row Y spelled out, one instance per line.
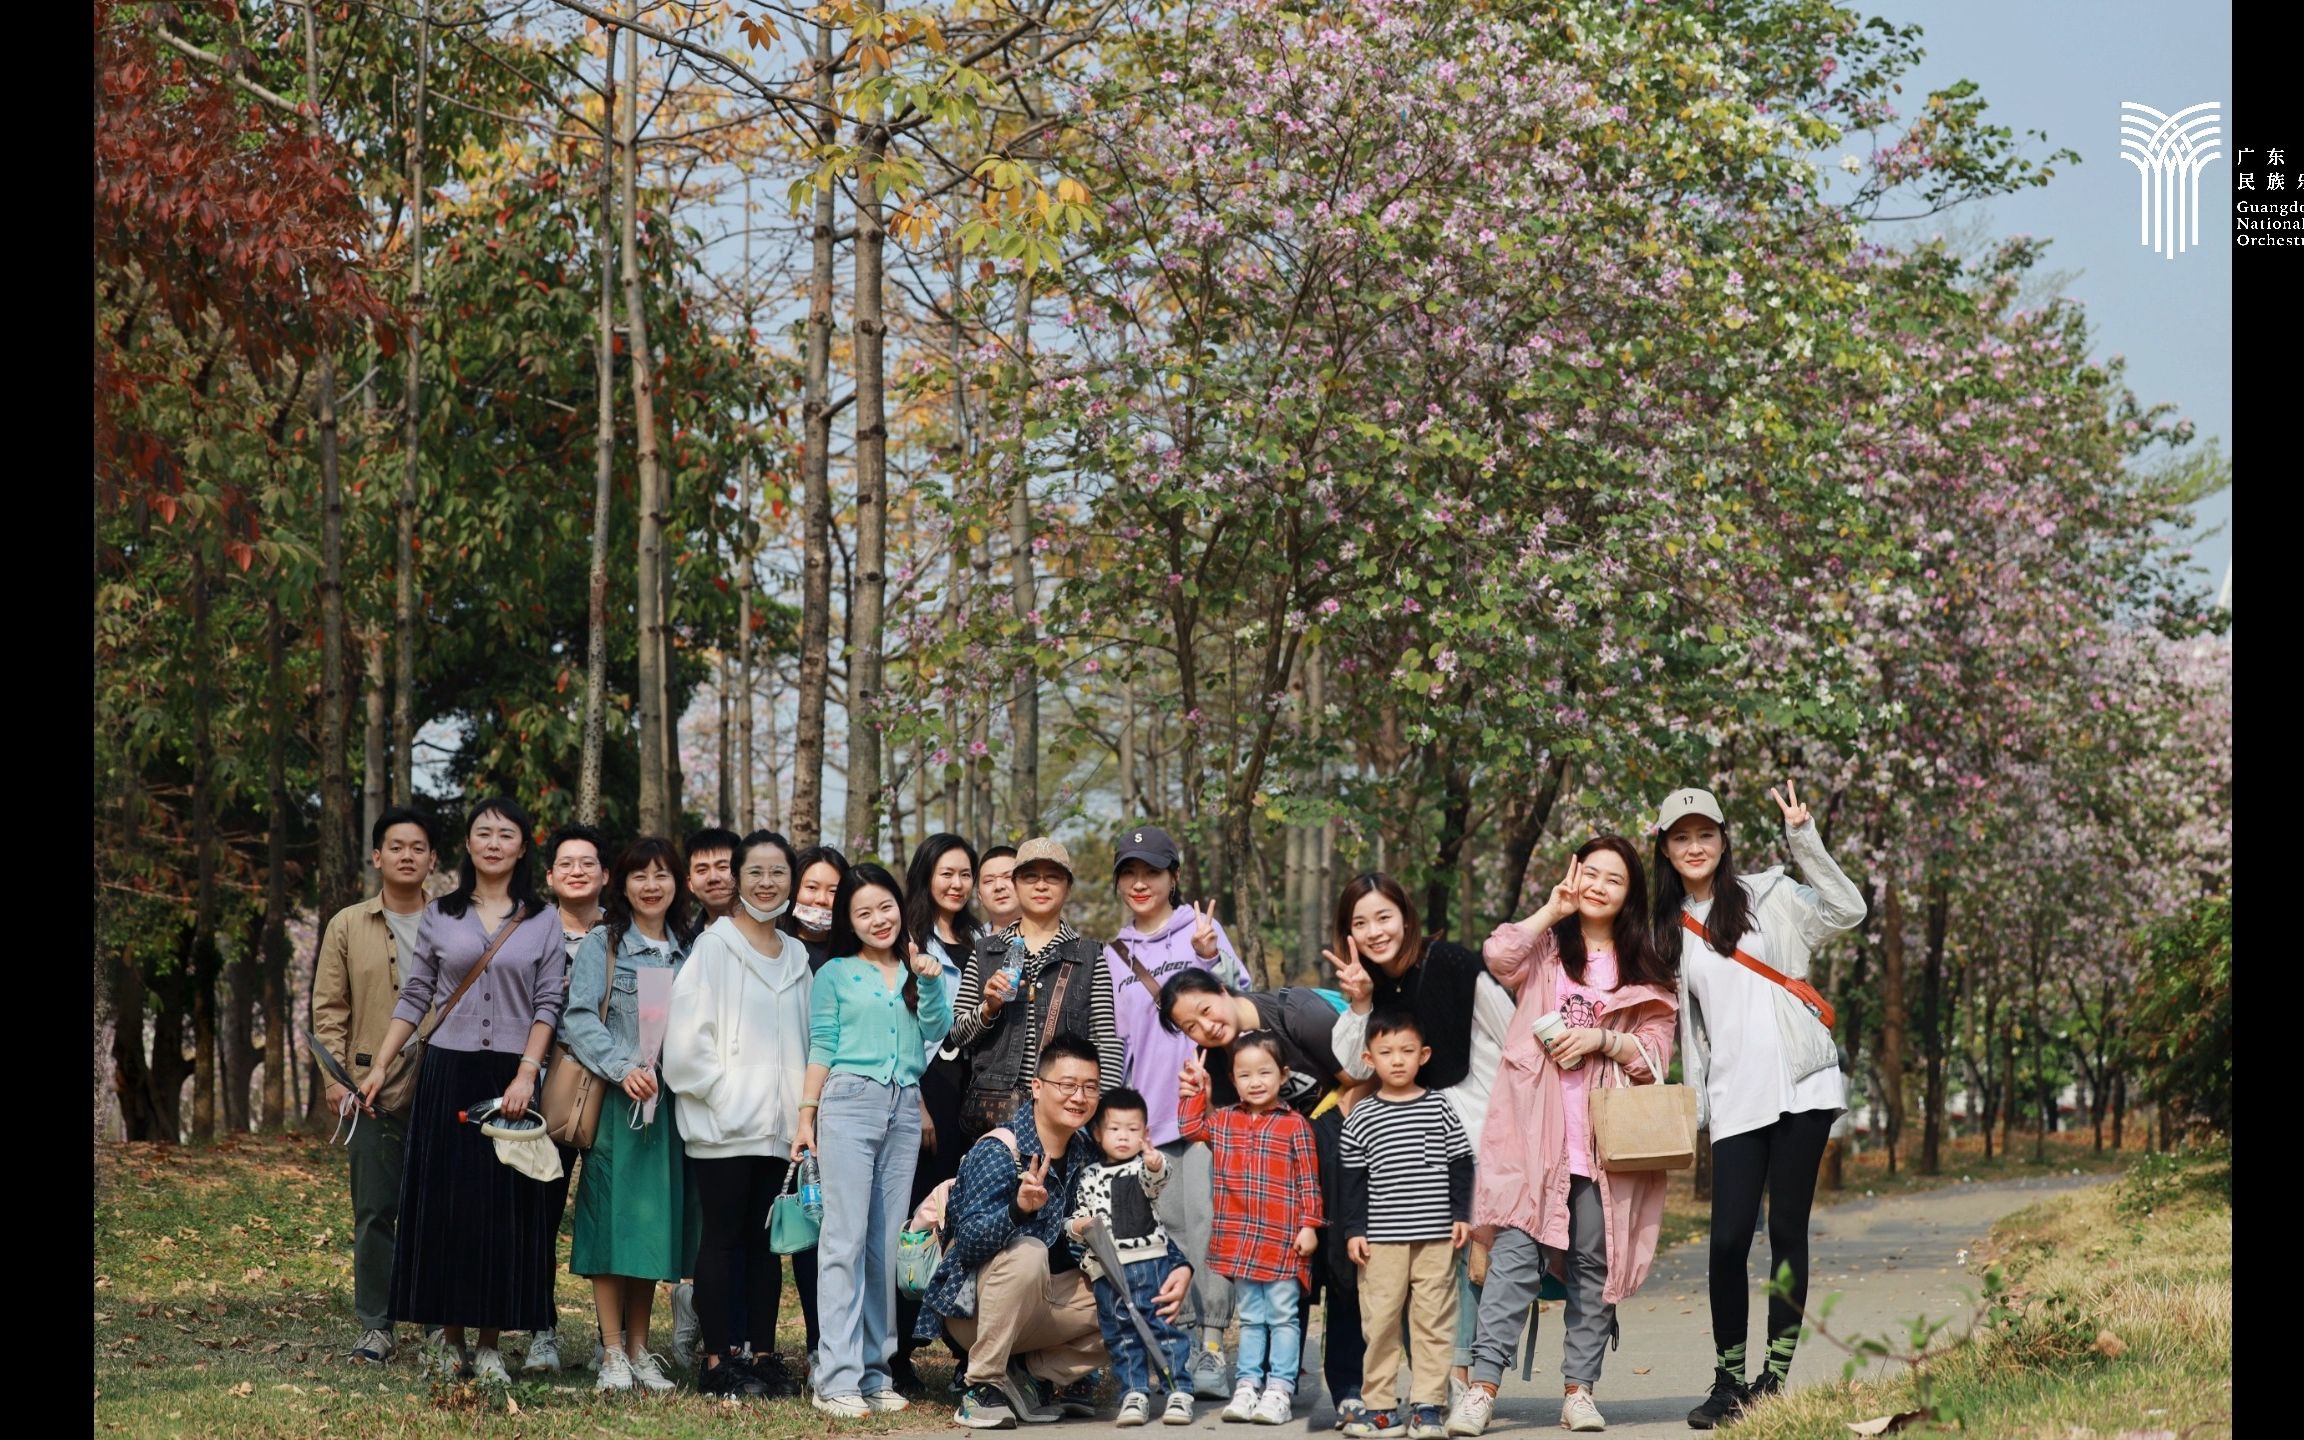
column 1149, row 844
column 1682, row 803
column 1041, row 847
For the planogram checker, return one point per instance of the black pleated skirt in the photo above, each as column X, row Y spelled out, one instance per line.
column 474, row 1245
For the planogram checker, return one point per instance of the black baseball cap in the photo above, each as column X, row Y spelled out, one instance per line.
column 1149, row 844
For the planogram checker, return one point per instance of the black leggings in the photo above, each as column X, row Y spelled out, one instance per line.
column 1780, row 1159
column 1343, row 1346
column 735, row 1193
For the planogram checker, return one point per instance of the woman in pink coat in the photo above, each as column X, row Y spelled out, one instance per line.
column 1541, row 1200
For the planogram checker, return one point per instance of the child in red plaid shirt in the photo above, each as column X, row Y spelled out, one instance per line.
column 1267, row 1218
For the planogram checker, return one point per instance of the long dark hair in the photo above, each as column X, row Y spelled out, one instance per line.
column 616, row 906
column 845, row 940
column 527, row 902
column 1376, row 882
column 802, row 863
column 1731, row 916
column 920, row 909
column 1192, row 981
column 1638, row 961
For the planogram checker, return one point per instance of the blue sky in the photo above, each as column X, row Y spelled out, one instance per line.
column 2064, row 67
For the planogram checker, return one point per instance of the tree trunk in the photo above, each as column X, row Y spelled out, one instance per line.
column 588, row 802
column 675, row 792
column 865, row 800
column 204, row 956
column 807, row 819
column 375, row 783
column 2119, row 1108
column 339, row 874
column 744, row 758
column 724, row 707
column 1527, row 830
column 1892, row 1019
column 277, row 1049
column 404, row 579
column 656, row 816
column 1931, row 1027
column 1455, row 816
column 1024, row 718
column 236, row 1029
column 1701, row 1179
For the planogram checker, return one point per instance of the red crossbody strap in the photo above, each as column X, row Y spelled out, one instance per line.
column 1800, row 990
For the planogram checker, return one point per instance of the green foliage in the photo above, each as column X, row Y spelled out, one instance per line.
column 2182, row 1024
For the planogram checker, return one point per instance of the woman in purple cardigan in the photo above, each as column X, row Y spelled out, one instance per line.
column 474, row 1247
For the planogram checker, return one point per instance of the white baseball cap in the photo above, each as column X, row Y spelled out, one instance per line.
column 1682, row 803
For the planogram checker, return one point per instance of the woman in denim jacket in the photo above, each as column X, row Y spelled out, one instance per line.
column 636, row 1219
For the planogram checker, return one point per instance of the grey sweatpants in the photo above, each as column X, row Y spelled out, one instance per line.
column 1516, row 1265
column 1187, row 1206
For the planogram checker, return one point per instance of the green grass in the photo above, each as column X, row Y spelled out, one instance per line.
column 223, row 1306
column 2115, row 1319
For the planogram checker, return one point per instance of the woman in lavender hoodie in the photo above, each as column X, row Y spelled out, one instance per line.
column 1161, row 938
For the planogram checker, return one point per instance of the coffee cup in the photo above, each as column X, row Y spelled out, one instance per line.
column 1550, row 1026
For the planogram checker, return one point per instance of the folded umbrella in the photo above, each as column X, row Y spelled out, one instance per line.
column 351, row 1105
column 1099, row 1240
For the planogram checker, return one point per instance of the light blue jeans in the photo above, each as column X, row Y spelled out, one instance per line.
column 1271, row 1336
column 867, row 1142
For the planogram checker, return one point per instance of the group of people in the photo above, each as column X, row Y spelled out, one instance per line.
column 1121, row 1149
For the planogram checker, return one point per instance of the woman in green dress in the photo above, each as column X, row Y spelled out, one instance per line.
column 636, row 1219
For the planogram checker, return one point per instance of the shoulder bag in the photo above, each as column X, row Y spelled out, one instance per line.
column 1643, row 1127
column 572, row 1094
column 1811, row 999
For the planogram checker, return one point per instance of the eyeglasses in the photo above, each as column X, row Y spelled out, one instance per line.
column 576, row 865
column 1070, row 1088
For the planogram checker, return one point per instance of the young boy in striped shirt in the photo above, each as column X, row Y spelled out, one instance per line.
column 1407, row 1207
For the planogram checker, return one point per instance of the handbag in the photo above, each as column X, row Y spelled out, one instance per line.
column 572, row 1094
column 918, row 1252
column 791, row 1229
column 400, row 1082
column 1811, row 999
column 1643, row 1127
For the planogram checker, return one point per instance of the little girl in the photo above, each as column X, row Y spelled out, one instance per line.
column 1267, row 1217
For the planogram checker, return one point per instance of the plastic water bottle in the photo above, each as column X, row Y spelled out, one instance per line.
column 1014, row 969
column 811, row 1186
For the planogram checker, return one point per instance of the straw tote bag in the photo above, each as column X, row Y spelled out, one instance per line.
column 1644, row 1127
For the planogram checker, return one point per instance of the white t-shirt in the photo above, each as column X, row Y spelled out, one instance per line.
column 1749, row 1085
column 404, row 929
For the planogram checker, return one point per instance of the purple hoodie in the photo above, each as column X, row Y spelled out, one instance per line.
column 1155, row 1057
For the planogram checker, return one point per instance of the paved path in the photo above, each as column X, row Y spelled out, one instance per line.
column 1889, row 1259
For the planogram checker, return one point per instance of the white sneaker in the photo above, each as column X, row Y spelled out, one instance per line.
column 543, row 1353
column 886, row 1402
column 687, row 1330
column 615, row 1372
column 1135, row 1409
column 648, row 1369
column 1577, row 1412
column 1274, row 1407
column 1243, row 1406
column 841, row 1407
column 1472, row 1411
column 444, row 1360
column 1179, row 1409
column 375, row 1348
column 488, row 1366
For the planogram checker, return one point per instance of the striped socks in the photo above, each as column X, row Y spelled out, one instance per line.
column 1731, row 1359
column 1780, row 1354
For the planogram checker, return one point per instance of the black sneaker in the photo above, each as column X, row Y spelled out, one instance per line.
column 1724, row 1404
column 1077, row 1399
column 1769, row 1383
column 731, row 1377
column 770, row 1371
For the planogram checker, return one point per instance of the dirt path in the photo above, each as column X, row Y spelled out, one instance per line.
column 1889, row 1259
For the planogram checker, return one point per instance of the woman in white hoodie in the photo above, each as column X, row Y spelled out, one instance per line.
column 734, row 1056
column 1756, row 1045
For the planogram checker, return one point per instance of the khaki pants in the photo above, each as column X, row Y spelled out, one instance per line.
column 1416, row 1280
column 1023, row 1312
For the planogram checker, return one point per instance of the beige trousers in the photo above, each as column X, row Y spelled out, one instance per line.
column 1022, row 1311
column 1415, row 1282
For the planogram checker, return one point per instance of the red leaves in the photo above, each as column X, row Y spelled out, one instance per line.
column 166, row 505
column 241, row 553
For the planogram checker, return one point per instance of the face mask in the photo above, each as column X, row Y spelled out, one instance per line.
column 765, row 916
column 813, row 917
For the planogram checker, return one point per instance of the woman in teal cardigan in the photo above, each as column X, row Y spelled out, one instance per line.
column 637, row 1222
column 877, row 1009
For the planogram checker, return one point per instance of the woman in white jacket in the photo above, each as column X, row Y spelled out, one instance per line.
column 1758, row 1050
column 734, row 1055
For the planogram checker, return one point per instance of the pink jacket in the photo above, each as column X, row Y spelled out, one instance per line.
column 1523, row 1175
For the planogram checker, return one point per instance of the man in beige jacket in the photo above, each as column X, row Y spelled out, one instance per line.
column 355, row 984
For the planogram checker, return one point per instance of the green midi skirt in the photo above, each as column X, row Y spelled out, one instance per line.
column 636, row 1214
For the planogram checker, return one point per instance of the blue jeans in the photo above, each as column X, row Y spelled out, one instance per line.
column 1271, row 1339
column 867, row 1141
column 1130, row 1362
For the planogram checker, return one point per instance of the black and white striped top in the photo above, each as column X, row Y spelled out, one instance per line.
column 1407, row 1169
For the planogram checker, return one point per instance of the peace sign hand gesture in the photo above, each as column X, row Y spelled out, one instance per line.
column 1204, row 933
column 1795, row 813
column 1352, row 976
column 1193, row 1078
column 1032, row 1186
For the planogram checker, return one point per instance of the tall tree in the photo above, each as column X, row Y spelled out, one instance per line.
column 816, row 476
column 407, row 628
column 657, row 805
column 603, row 458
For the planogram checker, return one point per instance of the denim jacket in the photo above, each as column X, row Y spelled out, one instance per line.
column 982, row 1217
column 606, row 1050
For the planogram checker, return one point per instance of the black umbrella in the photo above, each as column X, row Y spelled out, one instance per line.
column 1107, row 1254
